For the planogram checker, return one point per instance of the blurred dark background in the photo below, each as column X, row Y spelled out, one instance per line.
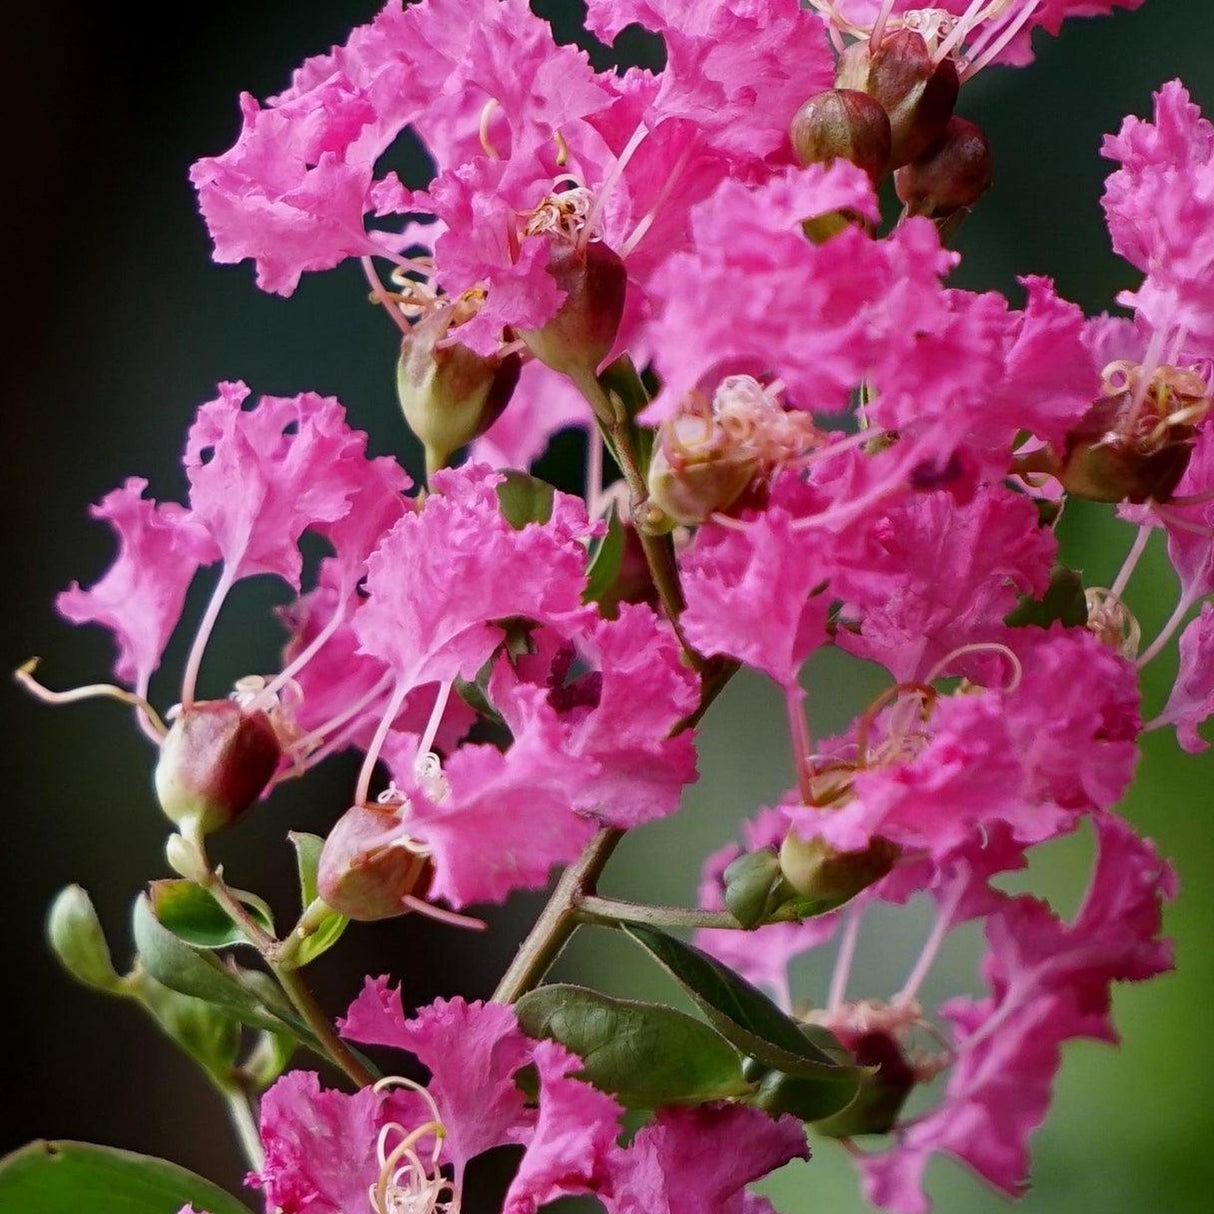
column 119, row 326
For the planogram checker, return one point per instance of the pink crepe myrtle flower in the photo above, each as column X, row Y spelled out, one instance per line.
column 982, row 759
column 1049, row 983
column 1160, row 210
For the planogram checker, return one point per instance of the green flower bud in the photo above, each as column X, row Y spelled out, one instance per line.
column 951, row 176
column 577, row 339
column 448, row 394
column 843, row 124
column 77, row 938
column 817, row 871
column 215, row 761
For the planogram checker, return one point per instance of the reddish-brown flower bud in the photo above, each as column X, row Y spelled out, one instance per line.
column 367, row 867
column 577, row 339
column 917, row 95
column 448, row 394
column 951, row 176
column 214, row 763
column 843, row 124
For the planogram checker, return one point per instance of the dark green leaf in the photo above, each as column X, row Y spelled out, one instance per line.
column 1064, row 600
column 739, row 1011
column 71, row 1177
column 606, row 558
column 181, row 968
column 192, row 914
column 645, row 1054
column 524, row 499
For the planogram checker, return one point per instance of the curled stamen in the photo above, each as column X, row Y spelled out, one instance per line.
column 490, row 107
column 865, row 724
column 24, row 674
column 981, row 647
column 1113, row 622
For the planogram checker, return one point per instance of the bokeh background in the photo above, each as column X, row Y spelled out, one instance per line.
column 118, row 326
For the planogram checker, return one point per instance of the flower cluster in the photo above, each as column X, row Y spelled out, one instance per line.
column 825, row 445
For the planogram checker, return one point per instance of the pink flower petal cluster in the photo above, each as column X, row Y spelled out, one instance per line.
column 321, row 1146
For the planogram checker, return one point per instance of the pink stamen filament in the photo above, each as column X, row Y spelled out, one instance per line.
column 980, row 647
column 323, row 732
column 91, row 691
column 363, row 787
column 441, row 914
column 426, row 743
column 381, row 293
column 1187, row 599
column 609, row 183
column 594, row 472
column 663, row 195
column 1117, row 590
column 301, row 659
column 997, row 43
column 965, row 23
column 802, row 746
column 844, row 958
column 931, row 946
column 189, row 682
column 878, row 32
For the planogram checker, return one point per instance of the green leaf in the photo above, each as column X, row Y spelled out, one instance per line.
column 1064, row 600
column 524, row 499
column 208, row 1033
column 645, row 1054
column 606, row 559
column 740, row 1012
column 327, row 931
column 70, row 1177
column 192, row 914
column 181, row 968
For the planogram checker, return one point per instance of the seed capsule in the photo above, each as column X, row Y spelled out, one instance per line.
column 950, row 176
column 843, row 124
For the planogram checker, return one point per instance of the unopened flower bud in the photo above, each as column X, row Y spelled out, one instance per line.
column 1123, row 452
column 449, row 394
column 843, row 124
column 917, row 95
column 366, row 866
column 214, row 763
column 817, row 871
column 79, row 942
column 691, row 481
column 882, row 1093
column 577, row 339
column 951, row 175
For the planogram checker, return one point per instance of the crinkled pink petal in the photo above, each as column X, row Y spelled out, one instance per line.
column 506, row 819
column 320, row 1144
column 699, row 1160
column 261, row 477
column 472, row 1051
column 1192, row 700
column 935, row 576
column 575, row 1136
column 738, row 69
column 1160, row 210
column 442, row 577
column 140, row 597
